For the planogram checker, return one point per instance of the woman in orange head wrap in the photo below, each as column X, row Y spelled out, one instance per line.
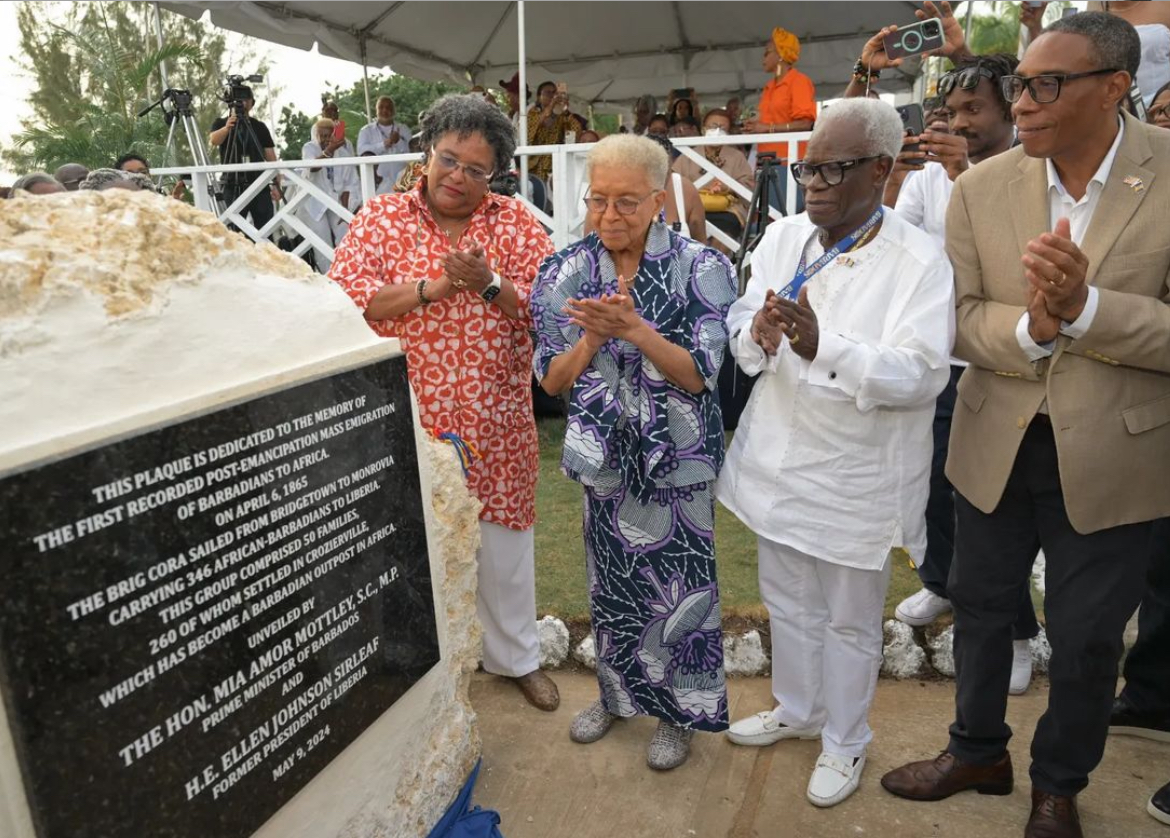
column 789, row 101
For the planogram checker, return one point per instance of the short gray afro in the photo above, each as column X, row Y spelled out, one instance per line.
column 466, row 114
column 876, row 125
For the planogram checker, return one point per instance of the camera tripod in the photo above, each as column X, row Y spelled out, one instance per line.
column 768, row 175
column 179, row 111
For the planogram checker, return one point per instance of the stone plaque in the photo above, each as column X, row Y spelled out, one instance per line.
column 197, row 619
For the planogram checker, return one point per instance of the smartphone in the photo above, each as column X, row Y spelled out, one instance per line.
column 914, row 39
column 913, row 122
column 681, row 93
column 339, row 130
column 562, row 88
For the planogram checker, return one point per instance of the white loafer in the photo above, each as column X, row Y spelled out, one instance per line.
column 834, row 779
column 763, row 729
column 1021, row 667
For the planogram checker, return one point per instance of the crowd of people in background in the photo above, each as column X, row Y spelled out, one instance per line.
column 959, row 349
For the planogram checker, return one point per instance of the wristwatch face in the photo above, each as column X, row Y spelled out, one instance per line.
column 490, row 293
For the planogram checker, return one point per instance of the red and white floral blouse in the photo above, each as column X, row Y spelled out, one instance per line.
column 469, row 363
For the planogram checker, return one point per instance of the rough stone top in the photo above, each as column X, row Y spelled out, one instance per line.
column 115, row 304
column 126, row 247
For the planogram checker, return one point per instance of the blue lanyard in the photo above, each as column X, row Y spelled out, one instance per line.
column 804, row 274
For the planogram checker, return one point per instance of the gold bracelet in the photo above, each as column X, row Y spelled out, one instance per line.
column 418, row 291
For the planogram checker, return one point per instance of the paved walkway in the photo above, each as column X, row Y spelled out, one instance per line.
column 545, row 786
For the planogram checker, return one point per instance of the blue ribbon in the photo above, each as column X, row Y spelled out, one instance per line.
column 803, row 274
column 462, row 449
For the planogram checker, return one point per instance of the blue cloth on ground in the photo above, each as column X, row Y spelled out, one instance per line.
column 465, row 821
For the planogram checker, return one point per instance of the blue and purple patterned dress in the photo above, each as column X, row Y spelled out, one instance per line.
column 647, row 453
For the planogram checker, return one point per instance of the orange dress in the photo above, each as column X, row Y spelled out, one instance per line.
column 469, row 363
column 788, row 99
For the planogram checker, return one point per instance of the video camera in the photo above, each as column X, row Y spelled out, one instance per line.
column 236, row 90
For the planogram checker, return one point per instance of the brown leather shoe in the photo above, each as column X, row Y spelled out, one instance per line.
column 1053, row 817
column 540, row 690
column 939, row 778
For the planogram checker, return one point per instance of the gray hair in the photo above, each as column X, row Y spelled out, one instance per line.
column 33, row 178
column 630, row 152
column 649, row 101
column 465, row 114
column 876, row 125
column 100, row 179
column 1114, row 42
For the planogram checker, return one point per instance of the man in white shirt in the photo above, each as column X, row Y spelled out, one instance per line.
column 385, row 136
column 1062, row 428
column 831, row 462
column 338, row 182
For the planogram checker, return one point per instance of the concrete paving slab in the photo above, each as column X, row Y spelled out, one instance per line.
column 546, row 786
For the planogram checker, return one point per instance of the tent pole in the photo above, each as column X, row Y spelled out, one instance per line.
column 523, row 138
column 162, row 65
column 366, row 78
column 967, row 26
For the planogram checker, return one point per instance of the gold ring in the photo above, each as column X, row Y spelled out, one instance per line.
column 1059, row 282
column 794, row 339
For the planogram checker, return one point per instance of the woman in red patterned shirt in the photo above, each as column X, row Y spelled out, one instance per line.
column 448, row 268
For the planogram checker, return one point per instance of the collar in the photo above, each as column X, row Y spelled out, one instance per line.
column 1102, row 173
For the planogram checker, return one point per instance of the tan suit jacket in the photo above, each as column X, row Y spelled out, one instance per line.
column 1108, row 393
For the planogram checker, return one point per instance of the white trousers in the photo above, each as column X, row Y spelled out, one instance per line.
column 826, row 643
column 507, row 600
column 331, row 230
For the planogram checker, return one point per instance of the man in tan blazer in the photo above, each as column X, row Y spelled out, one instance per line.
column 1061, row 434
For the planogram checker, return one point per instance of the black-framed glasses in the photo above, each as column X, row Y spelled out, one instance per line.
column 1155, row 111
column 1044, row 88
column 832, row 172
column 964, row 79
column 624, row 206
column 446, row 161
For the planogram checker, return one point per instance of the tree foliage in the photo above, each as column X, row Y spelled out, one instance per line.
column 1000, row 30
column 95, row 66
column 411, row 97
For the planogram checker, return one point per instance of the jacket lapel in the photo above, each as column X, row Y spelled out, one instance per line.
column 1126, row 187
column 1028, row 199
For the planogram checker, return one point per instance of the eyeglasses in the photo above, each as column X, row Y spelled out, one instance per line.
column 832, row 172
column 1157, row 111
column 624, row 206
column 965, row 79
column 1044, row 89
column 446, row 161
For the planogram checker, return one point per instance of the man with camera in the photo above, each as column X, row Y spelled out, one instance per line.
column 242, row 139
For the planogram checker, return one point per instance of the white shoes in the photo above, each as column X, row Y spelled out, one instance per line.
column 1021, row 667
column 763, row 729
column 922, row 609
column 834, row 779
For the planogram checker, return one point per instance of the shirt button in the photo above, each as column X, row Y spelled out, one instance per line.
column 832, row 375
column 1021, row 423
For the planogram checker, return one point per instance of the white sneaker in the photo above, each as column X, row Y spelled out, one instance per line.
column 1021, row 667
column 922, row 609
column 763, row 729
column 834, row 779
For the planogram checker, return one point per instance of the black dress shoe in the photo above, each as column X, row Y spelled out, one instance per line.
column 1159, row 807
column 1125, row 720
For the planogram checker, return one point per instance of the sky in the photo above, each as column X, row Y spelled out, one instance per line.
column 300, row 77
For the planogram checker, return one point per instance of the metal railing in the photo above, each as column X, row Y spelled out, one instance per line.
column 568, row 186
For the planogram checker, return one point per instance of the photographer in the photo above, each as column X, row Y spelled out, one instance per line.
column 241, row 139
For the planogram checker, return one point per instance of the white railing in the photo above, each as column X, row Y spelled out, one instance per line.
column 568, row 186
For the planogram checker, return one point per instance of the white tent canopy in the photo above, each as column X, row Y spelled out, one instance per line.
column 606, row 52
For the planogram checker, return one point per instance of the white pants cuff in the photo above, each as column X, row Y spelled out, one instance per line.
column 507, row 600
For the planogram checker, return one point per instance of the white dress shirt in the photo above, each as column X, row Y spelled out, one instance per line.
column 372, row 140
column 1079, row 215
column 832, row 457
column 923, row 200
column 333, row 180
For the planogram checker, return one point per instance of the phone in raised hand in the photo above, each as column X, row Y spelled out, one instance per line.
column 914, row 39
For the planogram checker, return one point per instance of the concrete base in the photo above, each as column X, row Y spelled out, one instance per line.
column 545, row 786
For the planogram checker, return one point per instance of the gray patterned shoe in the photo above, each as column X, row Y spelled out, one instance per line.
column 669, row 747
column 591, row 724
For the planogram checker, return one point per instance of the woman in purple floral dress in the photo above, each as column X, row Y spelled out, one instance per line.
column 631, row 318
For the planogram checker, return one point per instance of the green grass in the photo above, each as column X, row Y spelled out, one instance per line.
column 560, row 552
